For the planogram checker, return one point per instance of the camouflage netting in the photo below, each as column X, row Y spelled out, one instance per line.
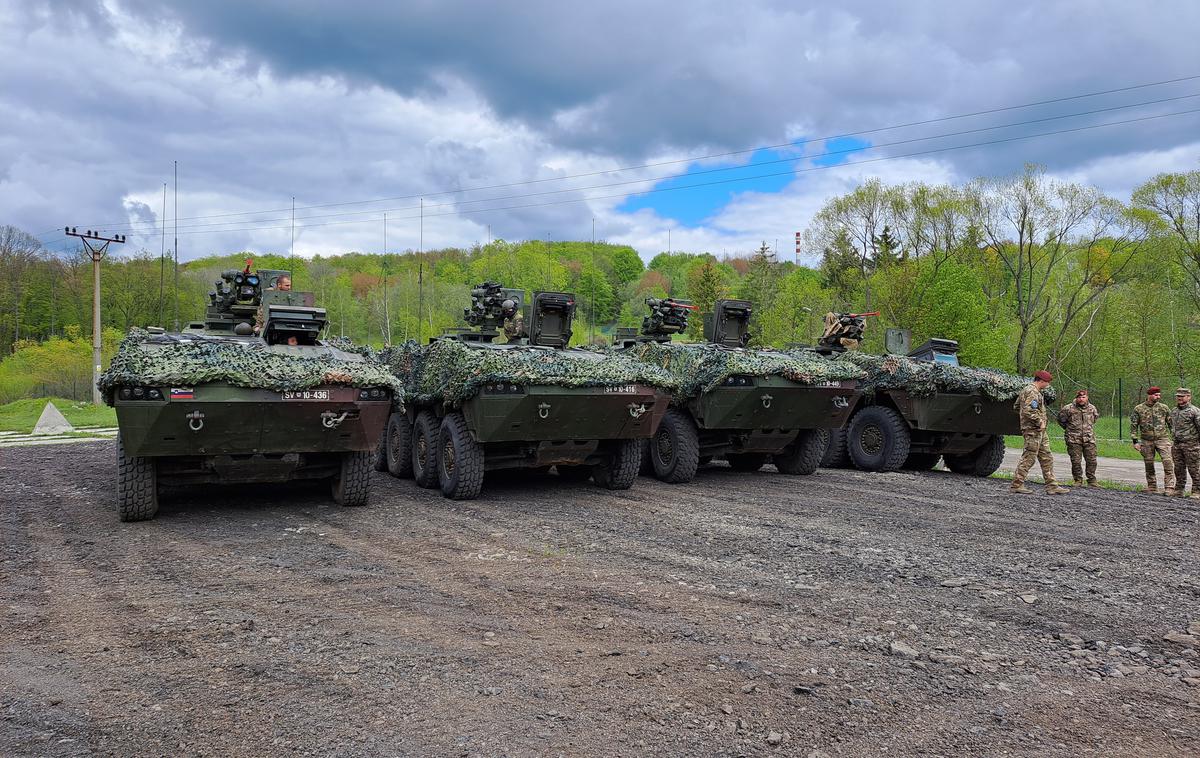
column 924, row 378
column 168, row 360
column 701, row 366
column 453, row 371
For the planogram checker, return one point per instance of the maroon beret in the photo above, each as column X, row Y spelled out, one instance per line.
column 1043, row 375
column 1154, row 391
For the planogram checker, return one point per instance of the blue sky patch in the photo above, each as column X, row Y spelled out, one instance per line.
column 693, row 206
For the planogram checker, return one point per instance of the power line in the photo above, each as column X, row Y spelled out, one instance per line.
column 716, row 182
column 251, row 224
column 707, row 156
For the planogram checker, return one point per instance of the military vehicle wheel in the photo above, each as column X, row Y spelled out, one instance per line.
column 352, row 485
column 397, row 443
column 983, row 461
column 459, row 460
column 573, row 473
column 424, row 450
column 675, row 448
column 804, row 455
column 921, row 461
column 621, row 469
column 137, row 486
column 835, row 452
column 878, row 439
column 746, row 461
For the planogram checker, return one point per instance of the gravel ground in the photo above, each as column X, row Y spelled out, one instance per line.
column 742, row 614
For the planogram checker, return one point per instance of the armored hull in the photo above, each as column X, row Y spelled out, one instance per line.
column 219, row 418
column 773, row 402
column 512, row 413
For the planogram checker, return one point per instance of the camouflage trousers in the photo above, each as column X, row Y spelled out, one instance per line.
column 1163, row 448
column 1186, row 457
column 1082, row 453
column 1037, row 448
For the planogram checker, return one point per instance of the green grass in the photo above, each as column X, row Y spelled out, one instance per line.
column 1104, row 484
column 21, row 415
column 1107, row 443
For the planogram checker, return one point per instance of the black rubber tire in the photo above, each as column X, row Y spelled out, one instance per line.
column 984, row 460
column 352, row 485
column 887, row 435
column 620, row 471
column 803, row 456
column 835, row 452
column 398, row 446
column 746, row 461
column 675, row 448
column 460, row 460
column 573, row 473
column 137, row 486
column 424, row 450
column 920, row 461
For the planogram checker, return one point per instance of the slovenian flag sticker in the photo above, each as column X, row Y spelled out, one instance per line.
column 181, row 393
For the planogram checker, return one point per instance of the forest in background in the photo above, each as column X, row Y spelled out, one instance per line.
column 1026, row 272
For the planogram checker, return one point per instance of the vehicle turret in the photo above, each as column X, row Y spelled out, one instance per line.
column 494, row 309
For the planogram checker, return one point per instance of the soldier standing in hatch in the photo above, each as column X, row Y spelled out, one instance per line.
column 1031, row 407
column 1151, row 423
column 1185, row 453
column 1078, row 420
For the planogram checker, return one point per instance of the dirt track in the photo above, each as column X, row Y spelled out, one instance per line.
column 840, row 614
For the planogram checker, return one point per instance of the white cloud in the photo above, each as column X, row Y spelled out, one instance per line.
column 337, row 104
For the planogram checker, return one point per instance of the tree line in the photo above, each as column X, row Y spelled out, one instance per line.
column 1025, row 271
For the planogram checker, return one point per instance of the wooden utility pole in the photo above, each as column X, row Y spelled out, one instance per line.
column 97, row 246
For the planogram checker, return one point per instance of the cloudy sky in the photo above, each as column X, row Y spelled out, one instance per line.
column 718, row 123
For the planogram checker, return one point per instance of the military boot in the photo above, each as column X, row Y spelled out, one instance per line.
column 1195, row 495
column 1077, row 483
column 1054, row 489
column 1151, row 489
column 1020, row 488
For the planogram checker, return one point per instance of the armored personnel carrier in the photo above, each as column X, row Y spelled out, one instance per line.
column 474, row 404
column 921, row 408
column 249, row 394
column 746, row 406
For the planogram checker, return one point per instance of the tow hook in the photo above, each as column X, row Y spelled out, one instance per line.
column 195, row 420
column 544, row 410
column 636, row 410
column 840, row 401
column 978, row 409
column 766, row 401
column 333, row 419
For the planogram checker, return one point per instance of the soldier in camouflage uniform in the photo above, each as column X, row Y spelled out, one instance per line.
column 1032, row 409
column 1185, row 423
column 1078, row 420
column 1151, row 423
